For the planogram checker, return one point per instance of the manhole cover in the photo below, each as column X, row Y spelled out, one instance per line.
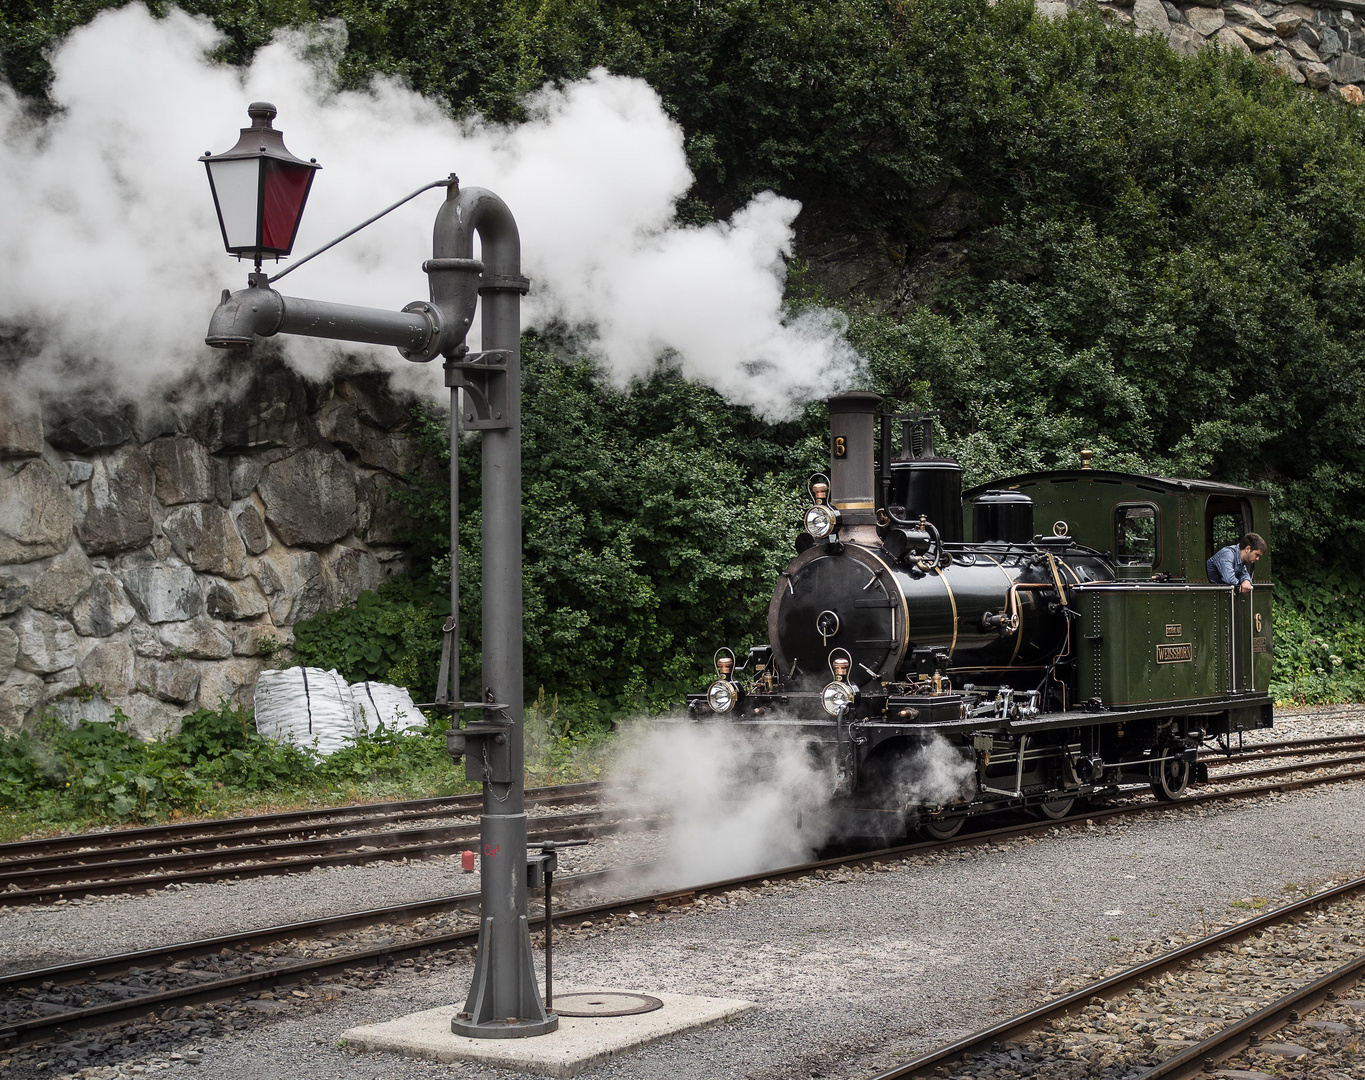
column 607, row 1003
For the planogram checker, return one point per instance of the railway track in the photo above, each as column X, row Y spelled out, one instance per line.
column 48, row 870
column 115, row 989
column 315, row 821
column 98, row 864
column 45, row 886
column 1284, row 748
column 1149, row 1017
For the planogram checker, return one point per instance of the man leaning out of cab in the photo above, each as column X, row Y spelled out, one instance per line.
column 1233, row 565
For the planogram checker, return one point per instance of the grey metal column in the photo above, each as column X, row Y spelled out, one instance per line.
column 504, row 998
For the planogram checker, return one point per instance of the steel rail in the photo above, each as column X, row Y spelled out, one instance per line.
column 106, row 864
column 284, row 975
column 90, row 844
column 20, row 848
column 104, row 966
column 1252, row 749
column 1279, row 770
column 1247, row 1032
column 389, row 849
column 221, row 841
column 1284, row 749
column 100, row 869
column 1017, row 1026
column 266, row 869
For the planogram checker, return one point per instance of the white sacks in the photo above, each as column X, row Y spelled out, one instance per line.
column 308, row 707
column 314, row 708
column 390, row 705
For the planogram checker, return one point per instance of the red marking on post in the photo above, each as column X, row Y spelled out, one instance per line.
column 491, row 850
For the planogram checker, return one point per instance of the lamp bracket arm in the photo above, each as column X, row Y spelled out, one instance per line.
column 451, row 181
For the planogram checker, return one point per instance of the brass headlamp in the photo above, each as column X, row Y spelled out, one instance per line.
column 724, row 693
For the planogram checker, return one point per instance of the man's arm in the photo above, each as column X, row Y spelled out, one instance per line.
column 1228, row 563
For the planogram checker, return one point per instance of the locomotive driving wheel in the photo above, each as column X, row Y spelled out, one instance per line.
column 941, row 828
column 1054, row 809
column 1170, row 777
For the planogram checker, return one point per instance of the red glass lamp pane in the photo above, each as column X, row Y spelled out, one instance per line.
column 284, row 191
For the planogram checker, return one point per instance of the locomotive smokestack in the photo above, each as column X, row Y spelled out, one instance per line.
column 852, row 475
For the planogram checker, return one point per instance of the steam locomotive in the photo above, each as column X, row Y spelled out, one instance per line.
column 923, row 629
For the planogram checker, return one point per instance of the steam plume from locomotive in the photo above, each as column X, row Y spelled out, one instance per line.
column 729, row 806
column 109, row 252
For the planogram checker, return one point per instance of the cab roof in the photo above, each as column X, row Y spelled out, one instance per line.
column 1158, row 483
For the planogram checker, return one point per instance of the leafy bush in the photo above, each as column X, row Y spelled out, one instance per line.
column 1080, row 235
column 392, row 635
column 95, row 770
column 100, row 772
column 391, row 754
column 1320, row 641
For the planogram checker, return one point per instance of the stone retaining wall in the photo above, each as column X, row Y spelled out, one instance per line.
column 161, row 556
column 1320, row 45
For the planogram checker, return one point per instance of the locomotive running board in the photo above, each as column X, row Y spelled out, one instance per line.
column 1050, row 721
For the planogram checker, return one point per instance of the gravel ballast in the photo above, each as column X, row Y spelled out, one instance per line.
column 849, row 974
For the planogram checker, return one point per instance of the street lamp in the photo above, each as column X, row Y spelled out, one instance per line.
column 504, row 999
column 259, row 189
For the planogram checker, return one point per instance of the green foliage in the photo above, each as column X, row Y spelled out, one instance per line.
column 1090, row 238
column 95, row 770
column 393, row 635
column 99, row 772
column 390, row 754
column 655, row 523
column 1320, row 640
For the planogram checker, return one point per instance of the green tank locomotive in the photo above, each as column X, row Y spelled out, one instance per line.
column 1042, row 638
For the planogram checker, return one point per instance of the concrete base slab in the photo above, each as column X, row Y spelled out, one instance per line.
column 579, row 1043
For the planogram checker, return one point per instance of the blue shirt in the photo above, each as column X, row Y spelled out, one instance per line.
column 1226, row 566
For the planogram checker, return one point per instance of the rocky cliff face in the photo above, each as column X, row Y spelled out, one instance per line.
column 153, row 560
column 1323, row 46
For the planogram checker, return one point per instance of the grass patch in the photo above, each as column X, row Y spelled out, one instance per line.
column 62, row 780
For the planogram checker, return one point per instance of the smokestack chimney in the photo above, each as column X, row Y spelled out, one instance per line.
column 852, row 474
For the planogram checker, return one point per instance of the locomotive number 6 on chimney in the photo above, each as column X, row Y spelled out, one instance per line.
column 1050, row 635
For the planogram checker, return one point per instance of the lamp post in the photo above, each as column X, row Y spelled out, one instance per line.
column 504, row 998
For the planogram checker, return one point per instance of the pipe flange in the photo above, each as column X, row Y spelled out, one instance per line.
column 431, row 348
column 491, row 283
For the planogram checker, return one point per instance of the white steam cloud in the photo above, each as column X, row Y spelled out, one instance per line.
column 744, row 799
column 110, row 252
column 732, row 803
column 936, row 774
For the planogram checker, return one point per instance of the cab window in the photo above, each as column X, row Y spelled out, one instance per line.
column 1136, row 527
column 1227, row 520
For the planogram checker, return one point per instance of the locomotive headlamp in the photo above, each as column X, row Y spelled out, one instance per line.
column 821, row 521
column 724, row 692
column 722, row 696
column 838, row 697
